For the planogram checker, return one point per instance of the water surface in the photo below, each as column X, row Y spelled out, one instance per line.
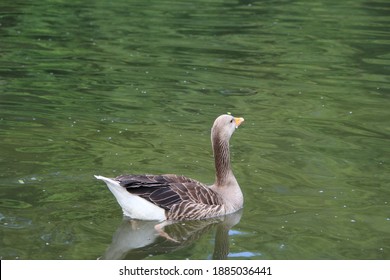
column 134, row 86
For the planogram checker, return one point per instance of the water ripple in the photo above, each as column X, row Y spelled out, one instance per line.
column 14, row 222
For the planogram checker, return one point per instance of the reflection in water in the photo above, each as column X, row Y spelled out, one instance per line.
column 136, row 239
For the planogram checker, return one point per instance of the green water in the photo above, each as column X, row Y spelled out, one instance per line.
column 109, row 88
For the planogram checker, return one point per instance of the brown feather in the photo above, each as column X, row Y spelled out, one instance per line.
column 182, row 197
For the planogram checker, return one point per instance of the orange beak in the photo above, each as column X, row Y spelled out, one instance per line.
column 238, row 121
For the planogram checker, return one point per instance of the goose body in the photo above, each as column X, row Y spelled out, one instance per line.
column 174, row 197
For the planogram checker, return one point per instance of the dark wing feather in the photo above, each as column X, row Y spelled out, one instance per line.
column 164, row 197
column 172, row 192
column 136, row 181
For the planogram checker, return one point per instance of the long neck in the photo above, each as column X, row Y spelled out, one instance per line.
column 225, row 184
column 222, row 161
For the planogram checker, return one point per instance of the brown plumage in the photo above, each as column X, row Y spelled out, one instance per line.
column 174, row 197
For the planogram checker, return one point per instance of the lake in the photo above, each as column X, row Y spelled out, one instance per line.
column 133, row 87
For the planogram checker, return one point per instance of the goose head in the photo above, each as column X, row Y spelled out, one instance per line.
column 224, row 126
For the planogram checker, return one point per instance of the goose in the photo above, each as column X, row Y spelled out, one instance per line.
column 171, row 197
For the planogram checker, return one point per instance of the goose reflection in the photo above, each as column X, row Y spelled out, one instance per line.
column 136, row 239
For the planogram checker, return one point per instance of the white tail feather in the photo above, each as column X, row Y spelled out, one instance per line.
column 133, row 206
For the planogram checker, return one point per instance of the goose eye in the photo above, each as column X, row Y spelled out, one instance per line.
column 231, row 121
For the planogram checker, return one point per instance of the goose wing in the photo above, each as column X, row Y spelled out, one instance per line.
column 177, row 194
